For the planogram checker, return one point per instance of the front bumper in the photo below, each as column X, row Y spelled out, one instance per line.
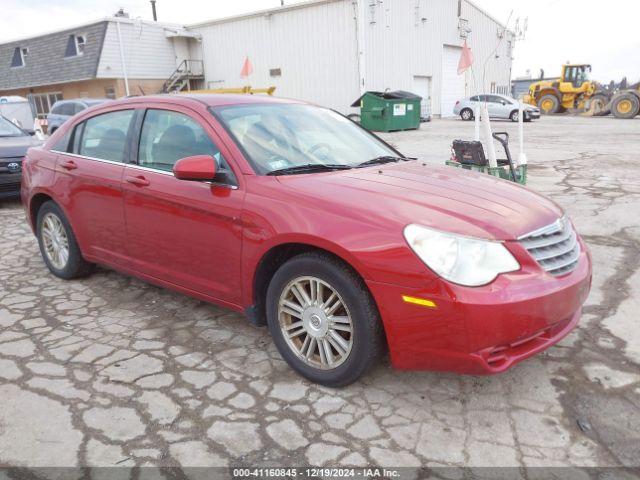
column 482, row 330
column 532, row 115
column 10, row 184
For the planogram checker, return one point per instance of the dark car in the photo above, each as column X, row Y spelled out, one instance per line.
column 14, row 143
column 63, row 110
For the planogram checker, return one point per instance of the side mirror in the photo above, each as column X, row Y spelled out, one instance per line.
column 197, row 167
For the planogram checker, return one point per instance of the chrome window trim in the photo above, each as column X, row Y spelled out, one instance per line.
column 139, row 167
column 113, row 162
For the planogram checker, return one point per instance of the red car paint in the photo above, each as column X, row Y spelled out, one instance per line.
column 208, row 240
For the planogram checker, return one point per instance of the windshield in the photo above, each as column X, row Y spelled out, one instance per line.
column 281, row 136
column 8, row 129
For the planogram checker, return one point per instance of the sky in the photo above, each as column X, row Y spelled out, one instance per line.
column 598, row 32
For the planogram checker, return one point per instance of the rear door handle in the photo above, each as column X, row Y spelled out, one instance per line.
column 139, row 181
column 69, row 165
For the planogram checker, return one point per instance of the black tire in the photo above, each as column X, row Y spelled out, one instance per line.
column 466, row 114
column 75, row 266
column 513, row 116
column 53, row 130
column 625, row 106
column 555, row 104
column 368, row 337
column 598, row 105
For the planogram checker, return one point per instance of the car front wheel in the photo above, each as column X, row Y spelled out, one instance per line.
column 323, row 319
column 466, row 114
column 58, row 244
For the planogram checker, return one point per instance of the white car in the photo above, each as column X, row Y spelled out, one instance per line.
column 499, row 106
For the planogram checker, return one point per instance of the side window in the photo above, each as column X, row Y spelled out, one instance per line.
column 77, row 136
column 67, row 109
column 475, row 98
column 168, row 136
column 105, row 136
column 62, row 145
column 77, row 108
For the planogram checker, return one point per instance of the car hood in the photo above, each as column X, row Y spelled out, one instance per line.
column 445, row 198
column 17, row 146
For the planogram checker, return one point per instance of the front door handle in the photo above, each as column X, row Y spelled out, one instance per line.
column 139, row 181
column 69, row 165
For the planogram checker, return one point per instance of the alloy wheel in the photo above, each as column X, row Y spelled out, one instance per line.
column 315, row 322
column 55, row 241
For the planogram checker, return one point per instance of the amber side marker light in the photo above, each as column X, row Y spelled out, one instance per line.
column 419, row 301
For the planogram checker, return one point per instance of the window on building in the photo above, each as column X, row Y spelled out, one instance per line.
column 110, row 92
column 19, row 57
column 42, row 102
column 75, row 45
column 81, row 41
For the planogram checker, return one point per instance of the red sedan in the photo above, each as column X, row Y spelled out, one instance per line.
column 305, row 222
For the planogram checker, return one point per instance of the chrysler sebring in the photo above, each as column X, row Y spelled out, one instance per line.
column 311, row 225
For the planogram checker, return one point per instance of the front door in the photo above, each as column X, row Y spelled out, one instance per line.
column 186, row 233
column 495, row 106
column 90, row 174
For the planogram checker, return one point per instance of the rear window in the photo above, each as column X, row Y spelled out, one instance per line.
column 104, row 136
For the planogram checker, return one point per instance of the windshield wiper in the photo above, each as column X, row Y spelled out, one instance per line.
column 309, row 167
column 381, row 160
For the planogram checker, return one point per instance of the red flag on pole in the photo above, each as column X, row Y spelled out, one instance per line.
column 247, row 68
column 466, row 58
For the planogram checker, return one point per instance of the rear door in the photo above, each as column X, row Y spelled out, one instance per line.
column 186, row 233
column 89, row 175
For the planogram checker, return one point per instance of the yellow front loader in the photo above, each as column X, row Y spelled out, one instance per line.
column 572, row 91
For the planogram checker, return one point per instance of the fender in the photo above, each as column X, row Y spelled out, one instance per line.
column 252, row 259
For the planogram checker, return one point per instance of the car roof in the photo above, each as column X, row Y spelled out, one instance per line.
column 208, row 99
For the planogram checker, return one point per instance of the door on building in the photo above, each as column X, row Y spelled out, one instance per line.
column 422, row 87
column 453, row 85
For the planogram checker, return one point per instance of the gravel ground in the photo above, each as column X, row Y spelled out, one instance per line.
column 109, row 370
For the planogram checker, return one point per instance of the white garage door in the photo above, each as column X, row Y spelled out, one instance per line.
column 452, row 83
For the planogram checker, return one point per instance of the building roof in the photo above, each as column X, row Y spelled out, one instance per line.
column 306, row 4
column 52, row 58
column 175, row 28
column 262, row 13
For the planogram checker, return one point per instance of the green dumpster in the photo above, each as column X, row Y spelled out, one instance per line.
column 389, row 111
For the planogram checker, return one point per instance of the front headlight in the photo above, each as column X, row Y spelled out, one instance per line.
column 463, row 260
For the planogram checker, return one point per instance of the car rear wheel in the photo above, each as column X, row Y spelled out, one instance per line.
column 323, row 319
column 58, row 244
column 466, row 114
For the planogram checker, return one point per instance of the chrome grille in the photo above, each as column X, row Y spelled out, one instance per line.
column 555, row 247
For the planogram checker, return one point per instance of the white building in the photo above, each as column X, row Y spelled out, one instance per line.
column 329, row 51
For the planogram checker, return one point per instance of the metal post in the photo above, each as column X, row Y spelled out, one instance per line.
column 122, row 62
column 522, row 158
column 360, row 36
column 153, row 10
column 476, row 121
